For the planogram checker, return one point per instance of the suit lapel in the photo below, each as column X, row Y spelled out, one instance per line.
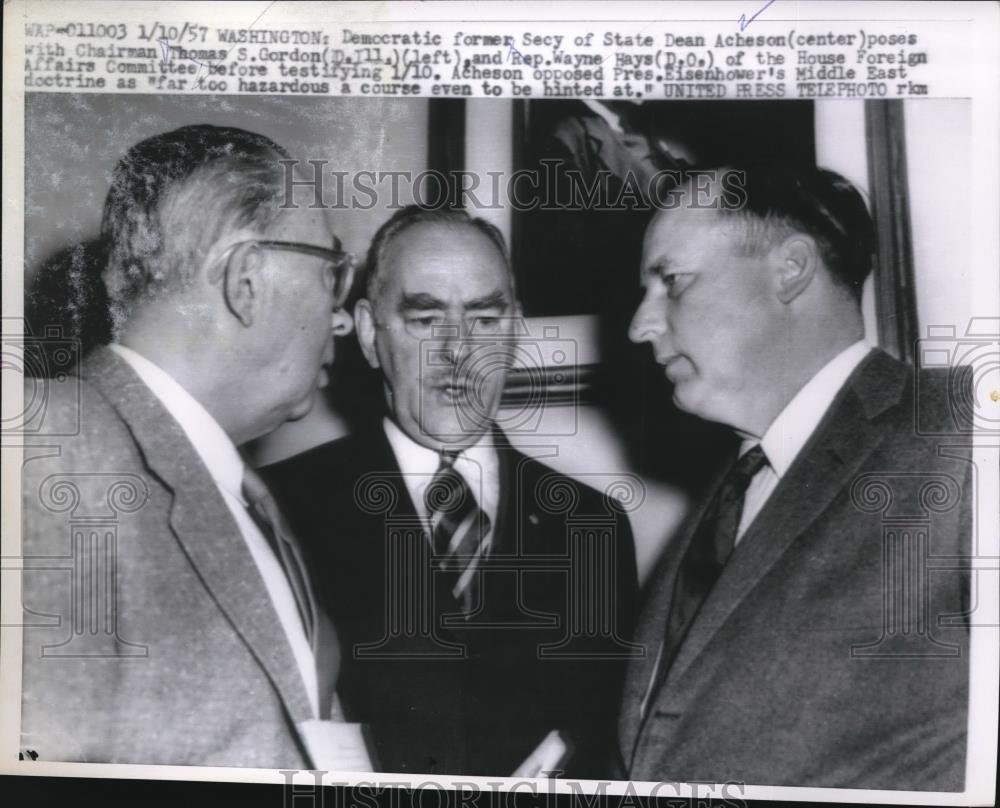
column 380, row 466
column 521, row 523
column 509, row 500
column 203, row 525
column 506, row 479
column 652, row 622
column 383, row 462
column 847, row 435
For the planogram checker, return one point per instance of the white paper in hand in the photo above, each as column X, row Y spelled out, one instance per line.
column 337, row 746
column 547, row 757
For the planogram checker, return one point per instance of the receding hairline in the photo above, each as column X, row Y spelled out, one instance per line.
column 376, row 282
column 767, row 203
column 171, row 198
column 750, row 232
column 700, row 217
column 272, row 215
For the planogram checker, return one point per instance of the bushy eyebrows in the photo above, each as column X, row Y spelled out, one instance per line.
column 494, row 300
column 422, row 301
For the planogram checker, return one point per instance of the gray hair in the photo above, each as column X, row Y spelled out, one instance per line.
column 173, row 196
column 776, row 200
column 413, row 215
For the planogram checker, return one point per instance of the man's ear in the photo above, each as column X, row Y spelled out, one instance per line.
column 242, row 283
column 795, row 263
column 364, row 322
column 342, row 323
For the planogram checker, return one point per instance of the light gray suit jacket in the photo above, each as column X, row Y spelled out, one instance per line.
column 833, row 650
column 150, row 637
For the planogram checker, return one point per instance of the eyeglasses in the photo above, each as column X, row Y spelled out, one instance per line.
column 338, row 269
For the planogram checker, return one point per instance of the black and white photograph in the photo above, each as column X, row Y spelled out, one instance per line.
column 603, row 435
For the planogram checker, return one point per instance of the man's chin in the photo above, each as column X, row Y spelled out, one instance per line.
column 455, row 434
column 693, row 400
column 302, row 409
column 686, row 400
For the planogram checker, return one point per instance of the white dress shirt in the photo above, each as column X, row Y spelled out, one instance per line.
column 478, row 464
column 781, row 444
column 793, row 427
column 226, row 467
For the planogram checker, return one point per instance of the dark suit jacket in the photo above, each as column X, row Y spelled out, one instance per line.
column 827, row 654
column 471, row 697
column 150, row 635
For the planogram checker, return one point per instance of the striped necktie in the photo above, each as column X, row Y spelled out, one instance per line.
column 457, row 529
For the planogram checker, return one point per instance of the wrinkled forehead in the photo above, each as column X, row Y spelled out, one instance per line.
column 444, row 253
column 687, row 227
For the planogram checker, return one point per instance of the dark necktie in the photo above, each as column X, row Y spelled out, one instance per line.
column 458, row 527
column 708, row 552
column 319, row 630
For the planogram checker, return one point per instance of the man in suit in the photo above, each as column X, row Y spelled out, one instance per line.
column 786, row 644
column 167, row 616
column 482, row 599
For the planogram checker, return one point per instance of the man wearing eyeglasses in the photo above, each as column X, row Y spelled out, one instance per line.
column 188, row 632
column 449, row 559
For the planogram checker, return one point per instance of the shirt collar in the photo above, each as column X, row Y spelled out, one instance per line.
column 209, row 439
column 411, row 456
column 789, row 432
column 478, row 464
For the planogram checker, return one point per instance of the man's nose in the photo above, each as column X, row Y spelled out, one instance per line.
column 451, row 337
column 648, row 322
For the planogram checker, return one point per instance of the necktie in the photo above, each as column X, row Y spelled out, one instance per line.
column 319, row 630
column 708, row 552
column 458, row 527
